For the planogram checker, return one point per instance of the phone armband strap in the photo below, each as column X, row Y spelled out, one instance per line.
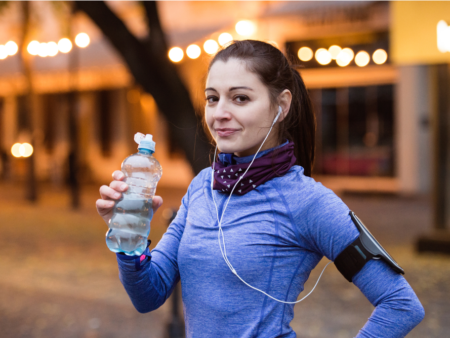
column 353, row 258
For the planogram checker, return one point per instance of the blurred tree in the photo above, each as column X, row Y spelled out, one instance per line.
column 150, row 66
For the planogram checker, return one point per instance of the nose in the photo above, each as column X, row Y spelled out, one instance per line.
column 221, row 112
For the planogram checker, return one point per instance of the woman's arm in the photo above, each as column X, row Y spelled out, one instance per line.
column 398, row 310
column 150, row 286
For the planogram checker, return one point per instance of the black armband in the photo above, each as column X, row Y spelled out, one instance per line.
column 352, row 259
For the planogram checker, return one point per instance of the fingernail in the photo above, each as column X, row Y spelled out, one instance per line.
column 123, row 186
column 117, row 194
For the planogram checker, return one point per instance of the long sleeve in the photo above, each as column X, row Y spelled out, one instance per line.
column 149, row 287
column 397, row 308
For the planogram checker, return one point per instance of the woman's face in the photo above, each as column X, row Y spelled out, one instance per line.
column 238, row 111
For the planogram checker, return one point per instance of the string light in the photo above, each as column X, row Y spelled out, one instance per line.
column 193, row 51
column 3, row 52
column 443, row 36
column 334, row 51
column 379, row 56
column 225, row 38
column 42, row 50
column 323, row 56
column 52, row 48
column 82, row 40
column 22, row 150
column 362, row 59
column 33, row 47
column 211, row 46
column 245, row 28
column 11, row 47
column 305, row 54
column 176, row 54
column 64, row 45
column 344, row 57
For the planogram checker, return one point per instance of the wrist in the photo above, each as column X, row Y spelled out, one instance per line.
column 139, row 260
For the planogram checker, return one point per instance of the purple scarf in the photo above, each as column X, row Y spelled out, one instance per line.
column 263, row 169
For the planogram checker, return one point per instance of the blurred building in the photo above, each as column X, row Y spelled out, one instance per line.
column 373, row 111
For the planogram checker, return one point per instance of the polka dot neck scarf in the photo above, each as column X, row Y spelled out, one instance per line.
column 273, row 164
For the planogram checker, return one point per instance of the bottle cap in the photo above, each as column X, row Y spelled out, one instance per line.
column 144, row 141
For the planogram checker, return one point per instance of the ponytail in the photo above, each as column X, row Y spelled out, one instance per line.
column 303, row 132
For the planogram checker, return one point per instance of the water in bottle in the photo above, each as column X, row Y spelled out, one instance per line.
column 129, row 226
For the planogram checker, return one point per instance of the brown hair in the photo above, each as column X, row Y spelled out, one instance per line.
column 277, row 73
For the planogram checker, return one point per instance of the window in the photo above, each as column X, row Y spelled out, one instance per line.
column 354, row 130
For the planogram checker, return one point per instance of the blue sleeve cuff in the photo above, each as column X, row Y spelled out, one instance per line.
column 137, row 259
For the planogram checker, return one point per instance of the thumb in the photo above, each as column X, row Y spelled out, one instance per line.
column 157, row 201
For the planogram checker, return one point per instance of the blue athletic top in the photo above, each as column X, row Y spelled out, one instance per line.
column 274, row 235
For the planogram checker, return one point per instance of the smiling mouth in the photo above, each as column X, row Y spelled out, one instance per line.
column 224, row 132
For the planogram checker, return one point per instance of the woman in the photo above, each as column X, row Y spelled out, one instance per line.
column 256, row 218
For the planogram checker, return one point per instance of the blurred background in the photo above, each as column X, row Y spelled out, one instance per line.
column 79, row 79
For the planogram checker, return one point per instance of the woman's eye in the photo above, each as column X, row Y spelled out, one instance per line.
column 241, row 98
column 210, row 99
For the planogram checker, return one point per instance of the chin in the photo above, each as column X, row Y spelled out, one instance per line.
column 226, row 146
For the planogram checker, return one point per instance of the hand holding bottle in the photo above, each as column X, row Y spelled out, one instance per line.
column 112, row 193
column 128, row 204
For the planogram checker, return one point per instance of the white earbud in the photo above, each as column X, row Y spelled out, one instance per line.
column 278, row 115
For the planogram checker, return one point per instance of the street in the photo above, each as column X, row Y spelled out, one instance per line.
column 59, row 279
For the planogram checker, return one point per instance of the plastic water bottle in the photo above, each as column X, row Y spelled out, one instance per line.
column 129, row 226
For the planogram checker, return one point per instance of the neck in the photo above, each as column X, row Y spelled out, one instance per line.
column 270, row 143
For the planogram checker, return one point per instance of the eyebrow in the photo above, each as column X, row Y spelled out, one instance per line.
column 231, row 88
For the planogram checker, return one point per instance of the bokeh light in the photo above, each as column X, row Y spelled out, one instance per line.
column 349, row 51
column 334, row 51
column 26, row 149
column 11, row 47
column 362, row 59
column 344, row 57
column 52, row 48
column 3, row 52
column 42, row 50
column 22, row 150
column 15, row 150
column 211, row 46
column 33, row 47
column 176, row 54
column 245, row 28
column 305, row 54
column 65, row 45
column 82, row 40
column 323, row 56
column 225, row 38
column 443, row 36
column 379, row 56
column 193, row 51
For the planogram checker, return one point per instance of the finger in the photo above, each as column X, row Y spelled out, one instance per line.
column 118, row 186
column 104, row 205
column 118, row 175
column 157, row 201
column 108, row 193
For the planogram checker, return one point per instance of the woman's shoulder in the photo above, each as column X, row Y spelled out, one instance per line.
column 202, row 178
column 297, row 182
column 305, row 193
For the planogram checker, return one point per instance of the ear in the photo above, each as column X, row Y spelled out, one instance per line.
column 284, row 101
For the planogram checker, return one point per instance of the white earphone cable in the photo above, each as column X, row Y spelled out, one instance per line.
column 219, row 220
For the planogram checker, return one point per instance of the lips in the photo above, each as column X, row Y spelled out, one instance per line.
column 224, row 132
